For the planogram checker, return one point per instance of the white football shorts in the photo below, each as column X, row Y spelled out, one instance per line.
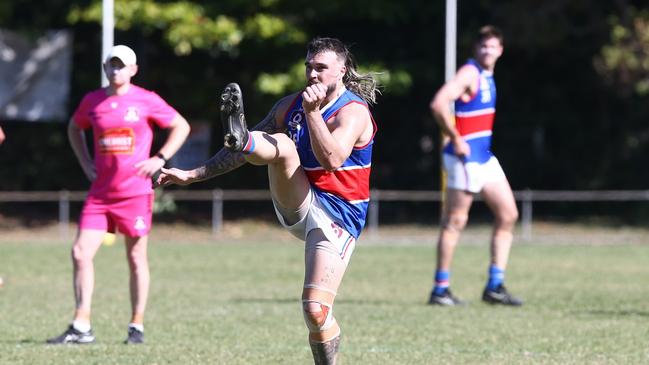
column 341, row 241
column 471, row 176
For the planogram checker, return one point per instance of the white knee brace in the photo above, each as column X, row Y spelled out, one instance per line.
column 318, row 316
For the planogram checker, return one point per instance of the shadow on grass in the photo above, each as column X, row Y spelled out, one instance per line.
column 25, row 341
column 345, row 301
column 613, row 313
column 265, row 300
column 381, row 302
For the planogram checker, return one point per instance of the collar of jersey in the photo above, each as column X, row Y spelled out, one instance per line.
column 329, row 104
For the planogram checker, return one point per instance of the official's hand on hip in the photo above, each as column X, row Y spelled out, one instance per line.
column 149, row 166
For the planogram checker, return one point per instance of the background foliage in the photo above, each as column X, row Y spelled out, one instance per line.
column 572, row 82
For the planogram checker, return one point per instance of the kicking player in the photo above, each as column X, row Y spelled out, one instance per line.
column 472, row 168
column 122, row 117
column 317, row 144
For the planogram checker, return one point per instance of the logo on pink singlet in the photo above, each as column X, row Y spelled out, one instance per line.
column 132, row 115
column 139, row 223
column 117, row 141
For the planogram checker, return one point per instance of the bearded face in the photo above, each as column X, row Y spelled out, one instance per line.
column 325, row 68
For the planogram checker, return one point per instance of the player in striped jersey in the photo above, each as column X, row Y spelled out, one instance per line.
column 317, row 144
column 472, row 168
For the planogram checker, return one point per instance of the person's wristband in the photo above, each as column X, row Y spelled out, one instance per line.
column 162, row 157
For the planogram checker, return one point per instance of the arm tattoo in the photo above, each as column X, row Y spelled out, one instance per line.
column 225, row 161
column 269, row 124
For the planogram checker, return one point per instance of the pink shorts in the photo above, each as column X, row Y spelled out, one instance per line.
column 130, row 216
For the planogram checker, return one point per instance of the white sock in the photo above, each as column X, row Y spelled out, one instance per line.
column 137, row 326
column 81, row 326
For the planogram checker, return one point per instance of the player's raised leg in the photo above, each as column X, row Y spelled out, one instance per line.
column 259, row 148
column 288, row 182
column 235, row 129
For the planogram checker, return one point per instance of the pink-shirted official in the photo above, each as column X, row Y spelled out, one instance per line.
column 122, row 118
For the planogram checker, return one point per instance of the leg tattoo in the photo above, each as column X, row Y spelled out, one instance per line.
column 324, row 353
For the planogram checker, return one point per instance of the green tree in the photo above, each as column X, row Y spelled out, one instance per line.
column 624, row 61
column 188, row 26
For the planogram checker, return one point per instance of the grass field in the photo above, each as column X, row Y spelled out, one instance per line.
column 235, row 300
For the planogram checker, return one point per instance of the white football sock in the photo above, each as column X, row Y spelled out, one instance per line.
column 81, row 326
column 137, row 326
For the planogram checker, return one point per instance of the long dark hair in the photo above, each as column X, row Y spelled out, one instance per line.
column 364, row 85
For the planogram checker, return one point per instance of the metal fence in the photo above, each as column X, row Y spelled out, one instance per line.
column 526, row 198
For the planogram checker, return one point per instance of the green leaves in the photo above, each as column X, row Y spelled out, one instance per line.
column 185, row 25
column 189, row 26
column 624, row 61
column 396, row 81
column 266, row 26
column 280, row 83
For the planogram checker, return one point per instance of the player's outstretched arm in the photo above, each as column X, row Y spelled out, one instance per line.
column 222, row 162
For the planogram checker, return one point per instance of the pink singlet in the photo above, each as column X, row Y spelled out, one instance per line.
column 122, row 128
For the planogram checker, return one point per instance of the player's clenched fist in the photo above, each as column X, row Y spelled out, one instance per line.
column 313, row 96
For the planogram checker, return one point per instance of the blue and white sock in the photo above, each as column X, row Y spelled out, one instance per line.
column 442, row 281
column 496, row 277
column 250, row 145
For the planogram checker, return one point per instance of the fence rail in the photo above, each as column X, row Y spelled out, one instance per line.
column 218, row 197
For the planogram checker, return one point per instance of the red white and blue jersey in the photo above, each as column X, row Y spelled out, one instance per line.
column 344, row 192
column 474, row 119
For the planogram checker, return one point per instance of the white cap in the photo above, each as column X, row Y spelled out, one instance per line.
column 124, row 53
